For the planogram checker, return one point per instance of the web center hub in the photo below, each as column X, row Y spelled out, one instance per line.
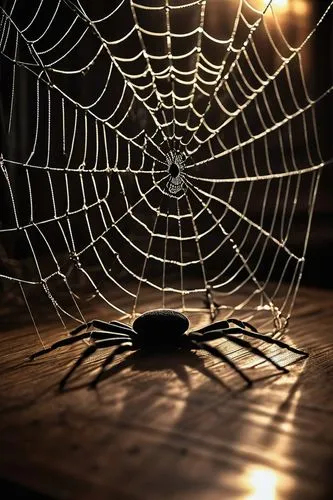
column 174, row 170
column 176, row 181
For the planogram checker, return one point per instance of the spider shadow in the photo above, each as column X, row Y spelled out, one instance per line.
column 178, row 362
column 183, row 363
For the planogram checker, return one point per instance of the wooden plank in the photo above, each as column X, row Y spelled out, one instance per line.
column 161, row 427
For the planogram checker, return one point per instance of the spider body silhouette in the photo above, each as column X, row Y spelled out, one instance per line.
column 164, row 330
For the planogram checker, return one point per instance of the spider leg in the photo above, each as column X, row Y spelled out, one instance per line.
column 277, row 342
column 236, row 340
column 218, row 354
column 105, row 335
column 215, row 334
column 120, row 349
column 255, row 350
column 221, row 325
column 94, row 335
column 113, row 326
column 225, row 325
column 60, row 343
column 242, row 324
column 121, row 327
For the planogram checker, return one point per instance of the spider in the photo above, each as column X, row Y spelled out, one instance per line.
column 164, row 330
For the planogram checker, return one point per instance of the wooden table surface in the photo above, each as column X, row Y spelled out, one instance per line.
column 170, row 427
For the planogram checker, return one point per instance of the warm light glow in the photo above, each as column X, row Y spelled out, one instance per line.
column 280, row 3
column 262, row 482
column 278, row 6
column 300, row 7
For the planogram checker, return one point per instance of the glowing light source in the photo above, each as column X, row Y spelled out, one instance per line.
column 278, row 6
column 300, row 7
column 262, row 482
column 280, row 3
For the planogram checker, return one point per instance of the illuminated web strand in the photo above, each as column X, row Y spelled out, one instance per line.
column 284, row 64
column 217, row 70
column 145, row 186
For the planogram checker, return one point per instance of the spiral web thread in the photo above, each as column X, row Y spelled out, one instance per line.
column 150, row 143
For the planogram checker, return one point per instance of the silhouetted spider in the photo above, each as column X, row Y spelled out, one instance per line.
column 164, row 330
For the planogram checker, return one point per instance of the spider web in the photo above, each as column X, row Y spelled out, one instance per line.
column 166, row 145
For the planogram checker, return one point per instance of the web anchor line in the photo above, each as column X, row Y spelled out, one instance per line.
column 210, row 303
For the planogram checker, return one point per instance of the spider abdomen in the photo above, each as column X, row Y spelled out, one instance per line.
column 160, row 326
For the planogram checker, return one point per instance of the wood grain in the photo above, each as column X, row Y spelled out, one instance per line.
column 174, row 426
